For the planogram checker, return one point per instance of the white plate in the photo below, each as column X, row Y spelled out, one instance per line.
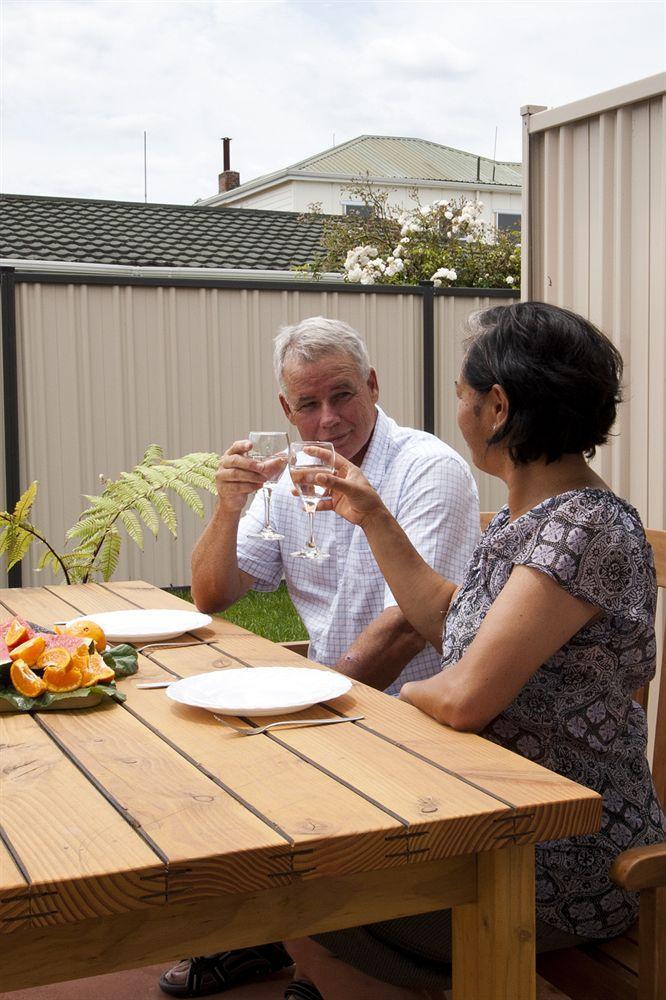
column 259, row 690
column 145, row 626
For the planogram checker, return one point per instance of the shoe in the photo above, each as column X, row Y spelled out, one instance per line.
column 208, row 974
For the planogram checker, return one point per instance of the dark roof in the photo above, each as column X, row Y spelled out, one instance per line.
column 148, row 235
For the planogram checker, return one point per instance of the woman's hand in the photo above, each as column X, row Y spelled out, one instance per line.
column 352, row 496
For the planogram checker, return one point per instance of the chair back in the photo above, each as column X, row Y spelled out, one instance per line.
column 657, row 540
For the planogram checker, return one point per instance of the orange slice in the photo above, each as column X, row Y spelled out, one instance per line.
column 24, row 680
column 16, row 633
column 62, row 680
column 103, row 674
column 29, row 651
column 56, row 657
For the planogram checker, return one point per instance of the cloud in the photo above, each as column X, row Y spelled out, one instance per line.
column 81, row 82
column 419, row 56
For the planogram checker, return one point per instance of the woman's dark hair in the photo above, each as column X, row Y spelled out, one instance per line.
column 562, row 377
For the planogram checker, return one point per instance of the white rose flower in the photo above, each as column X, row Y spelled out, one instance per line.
column 366, row 279
column 448, row 214
column 509, row 280
column 354, row 274
column 398, row 265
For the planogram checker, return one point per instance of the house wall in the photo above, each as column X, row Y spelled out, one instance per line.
column 297, row 196
column 106, row 370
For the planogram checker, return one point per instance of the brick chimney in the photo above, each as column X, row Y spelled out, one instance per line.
column 228, row 179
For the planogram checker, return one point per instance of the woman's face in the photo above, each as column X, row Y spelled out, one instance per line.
column 478, row 419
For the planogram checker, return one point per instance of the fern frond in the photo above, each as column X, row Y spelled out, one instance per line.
column 25, row 502
column 147, row 512
column 109, row 554
column 132, row 526
column 152, row 454
column 188, row 495
column 166, row 511
column 21, row 542
column 4, row 539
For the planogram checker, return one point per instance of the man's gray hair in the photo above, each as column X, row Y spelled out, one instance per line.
column 315, row 337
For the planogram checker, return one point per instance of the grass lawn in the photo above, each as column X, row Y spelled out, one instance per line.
column 271, row 615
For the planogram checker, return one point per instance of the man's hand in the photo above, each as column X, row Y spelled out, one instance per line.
column 237, row 476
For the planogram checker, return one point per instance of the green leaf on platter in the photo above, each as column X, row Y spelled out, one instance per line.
column 122, row 659
column 24, row 704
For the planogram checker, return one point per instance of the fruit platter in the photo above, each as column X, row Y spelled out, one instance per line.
column 71, row 667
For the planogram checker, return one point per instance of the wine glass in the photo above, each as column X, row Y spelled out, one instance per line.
column 303, row 469
column 269, row 449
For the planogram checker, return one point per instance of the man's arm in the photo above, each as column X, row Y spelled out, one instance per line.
column 378, row 655
column 217, row 581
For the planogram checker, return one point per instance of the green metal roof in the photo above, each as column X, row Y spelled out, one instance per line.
column 409, row 159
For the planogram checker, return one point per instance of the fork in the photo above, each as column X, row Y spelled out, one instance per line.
column 287, row 722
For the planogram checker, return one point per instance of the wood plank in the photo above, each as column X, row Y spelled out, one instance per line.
column 494, row 937
column 158, row 934
column 61, row 829
column 332, row 828
column 653, row 945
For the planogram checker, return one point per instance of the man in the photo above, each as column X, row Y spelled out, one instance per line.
column 329, row 392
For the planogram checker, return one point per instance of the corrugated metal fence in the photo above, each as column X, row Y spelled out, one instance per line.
column 594, row 240
column 106, row 369
column 594, row 211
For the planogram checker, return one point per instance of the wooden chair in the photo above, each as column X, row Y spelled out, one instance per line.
column 632, row 967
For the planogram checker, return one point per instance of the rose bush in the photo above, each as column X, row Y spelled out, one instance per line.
column 446, row 242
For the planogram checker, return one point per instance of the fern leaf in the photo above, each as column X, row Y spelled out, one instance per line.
column 202, row 482
column 132, row 526
column 152, row 454
column 4, row 539
column 166, row 511
column 21, row 542
column 109, row 555
column 147, row 512
column 188, row 495
column 157, row 475
column 25, row 502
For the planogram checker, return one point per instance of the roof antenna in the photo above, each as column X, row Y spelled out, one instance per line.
column 145, row 170
column 495, row 155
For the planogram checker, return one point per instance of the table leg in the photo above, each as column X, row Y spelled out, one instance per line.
column 494, row 955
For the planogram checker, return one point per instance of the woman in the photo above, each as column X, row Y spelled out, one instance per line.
column 543, row 643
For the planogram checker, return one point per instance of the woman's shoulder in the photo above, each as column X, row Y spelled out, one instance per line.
column 589, row 508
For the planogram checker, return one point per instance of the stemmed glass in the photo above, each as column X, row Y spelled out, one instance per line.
column 303, row 469
column 269, row 448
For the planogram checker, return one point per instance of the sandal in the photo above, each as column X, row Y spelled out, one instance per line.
column 209, row 974
column 302, row 989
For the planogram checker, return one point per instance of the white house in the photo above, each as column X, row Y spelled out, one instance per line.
column 397, row 164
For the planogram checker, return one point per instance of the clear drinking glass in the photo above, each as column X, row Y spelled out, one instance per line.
column 269, row 448
column 303, row 469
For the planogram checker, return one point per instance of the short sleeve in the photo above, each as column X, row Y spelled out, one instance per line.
column 259, row 557
column 595, row 547
column 438, row 509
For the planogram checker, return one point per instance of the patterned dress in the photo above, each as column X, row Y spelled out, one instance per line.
column 576, row 715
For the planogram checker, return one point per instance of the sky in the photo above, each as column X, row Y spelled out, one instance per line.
column 81, row 80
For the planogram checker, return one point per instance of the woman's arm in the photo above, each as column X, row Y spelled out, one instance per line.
column 422, row 594
column 531, row 619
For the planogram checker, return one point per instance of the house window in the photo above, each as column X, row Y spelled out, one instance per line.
column 508, row 222
column 363, row 210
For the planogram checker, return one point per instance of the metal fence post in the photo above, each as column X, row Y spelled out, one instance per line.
column 10, row 392
column 428, row 356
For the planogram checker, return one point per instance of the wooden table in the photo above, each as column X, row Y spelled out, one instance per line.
column 138, row 834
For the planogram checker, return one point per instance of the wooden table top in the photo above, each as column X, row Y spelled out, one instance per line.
column 117, row 808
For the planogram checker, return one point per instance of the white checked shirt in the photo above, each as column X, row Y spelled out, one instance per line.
column 430, row 491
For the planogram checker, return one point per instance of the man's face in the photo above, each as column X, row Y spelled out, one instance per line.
column 329, row 400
